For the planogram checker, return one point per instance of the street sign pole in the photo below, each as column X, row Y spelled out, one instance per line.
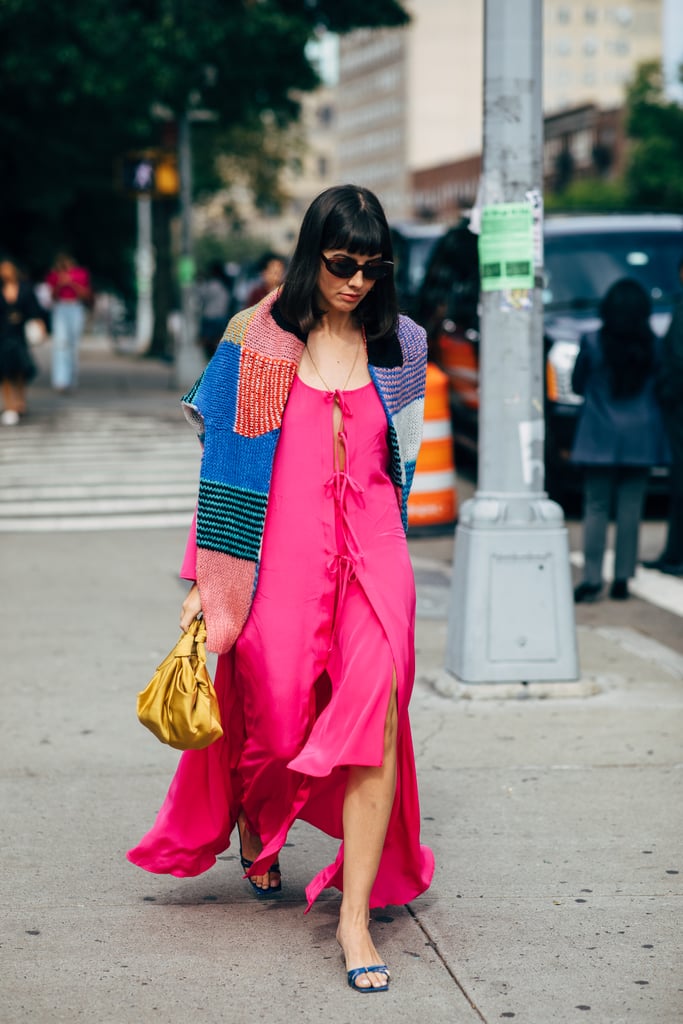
column 144, row 275
column 188, row 360
column 511, row 613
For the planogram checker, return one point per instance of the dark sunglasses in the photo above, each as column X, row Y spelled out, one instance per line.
column 345, row 267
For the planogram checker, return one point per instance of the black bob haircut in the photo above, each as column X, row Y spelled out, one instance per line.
column 342, row 217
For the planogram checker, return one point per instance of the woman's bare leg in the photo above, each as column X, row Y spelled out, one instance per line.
column 367, row 808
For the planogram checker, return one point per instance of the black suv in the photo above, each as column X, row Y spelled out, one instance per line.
column 584, row 255
column 413, row 245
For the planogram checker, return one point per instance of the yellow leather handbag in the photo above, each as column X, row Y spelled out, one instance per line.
column 179, row 704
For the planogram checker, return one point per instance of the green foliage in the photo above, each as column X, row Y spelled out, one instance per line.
column 655, row 125
column 79, row 82
column 235, row 248
column 589, row 195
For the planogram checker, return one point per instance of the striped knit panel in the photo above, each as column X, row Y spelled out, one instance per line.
column 230, row 519
column 403, row 385
column 226, row 586
column 402, row 391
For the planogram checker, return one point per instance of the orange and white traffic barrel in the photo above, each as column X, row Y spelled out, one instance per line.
column 433, row 499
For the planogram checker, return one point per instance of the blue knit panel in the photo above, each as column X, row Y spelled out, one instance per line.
column 239, row 461
column 230, row 519
column 215, row 394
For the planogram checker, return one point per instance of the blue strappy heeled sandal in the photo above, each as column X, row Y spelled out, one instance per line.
column 375, row 969
column 263, row 894
column 272, row 890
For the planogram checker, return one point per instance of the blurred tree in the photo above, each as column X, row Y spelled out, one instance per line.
column 82, row 84
column 588, row 194
column 654, row 176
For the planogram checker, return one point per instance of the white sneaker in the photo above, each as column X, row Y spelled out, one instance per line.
column 9, row 418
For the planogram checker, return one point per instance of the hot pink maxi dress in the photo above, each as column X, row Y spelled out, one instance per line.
column 304, row 692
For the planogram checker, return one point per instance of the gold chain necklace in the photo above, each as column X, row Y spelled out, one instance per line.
column 353, row 367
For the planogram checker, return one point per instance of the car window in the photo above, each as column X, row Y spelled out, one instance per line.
column 580, row 268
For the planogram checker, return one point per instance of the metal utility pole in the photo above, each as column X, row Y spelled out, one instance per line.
column 144, row 274
column 188, row 359
column 511, row 614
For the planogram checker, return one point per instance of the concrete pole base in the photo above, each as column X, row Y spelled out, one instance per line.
column 511, row 613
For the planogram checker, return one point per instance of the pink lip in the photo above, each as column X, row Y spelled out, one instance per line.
column 349, row 297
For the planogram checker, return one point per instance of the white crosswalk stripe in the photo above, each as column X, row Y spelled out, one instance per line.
column 97, row 470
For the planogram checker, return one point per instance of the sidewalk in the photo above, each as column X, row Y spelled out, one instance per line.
column 555, row 823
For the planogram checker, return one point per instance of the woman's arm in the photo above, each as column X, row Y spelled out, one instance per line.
column 192, row 605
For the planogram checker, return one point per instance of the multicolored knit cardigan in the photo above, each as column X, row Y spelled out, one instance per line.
column 236, row 407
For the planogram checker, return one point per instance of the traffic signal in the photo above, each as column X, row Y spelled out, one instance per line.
column 139, row 175
column 152, row 173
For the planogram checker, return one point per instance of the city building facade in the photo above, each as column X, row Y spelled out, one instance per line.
column 410, row 100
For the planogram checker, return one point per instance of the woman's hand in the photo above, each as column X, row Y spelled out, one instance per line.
column 192, row 606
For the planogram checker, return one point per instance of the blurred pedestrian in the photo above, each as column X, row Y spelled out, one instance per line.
column 620, row 434
column 271, row 268
column 311, row 413
column 214, row 297
column 670, row 393
column 18, row 307
column 71, row 295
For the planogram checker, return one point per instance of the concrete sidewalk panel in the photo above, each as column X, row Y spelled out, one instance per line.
column 539, row 960
column 552, row 834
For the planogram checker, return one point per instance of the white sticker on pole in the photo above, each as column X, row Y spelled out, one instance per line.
column 531, row 444
column 535, row 198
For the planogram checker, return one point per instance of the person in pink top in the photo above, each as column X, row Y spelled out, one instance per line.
column 71, row 293
column 311, row 409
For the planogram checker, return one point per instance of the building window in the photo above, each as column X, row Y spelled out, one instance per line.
column 563, row 47
column 590, row 16
column 325, row 115
column 590, row 47
column 619, row 47
column 323, row 167
column 564, row 15
column 582, row 147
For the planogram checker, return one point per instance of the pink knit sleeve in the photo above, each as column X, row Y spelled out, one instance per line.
column 188, row 570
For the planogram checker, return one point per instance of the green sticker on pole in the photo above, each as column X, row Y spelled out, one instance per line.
column 506, row 247
column 186, row 270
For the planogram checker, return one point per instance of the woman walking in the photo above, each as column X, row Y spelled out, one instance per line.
column 620, row 434
column 311, row 417
column 18, row 306
column 71, row 291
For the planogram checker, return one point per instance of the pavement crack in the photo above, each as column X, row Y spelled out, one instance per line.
column 422, row 744
column 435, row 946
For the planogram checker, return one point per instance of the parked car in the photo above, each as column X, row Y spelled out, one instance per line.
column 584, row 255
column 413, row 245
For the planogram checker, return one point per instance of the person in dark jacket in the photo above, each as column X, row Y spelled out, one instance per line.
column 670, row 394
column 620, row 434
column 18, row 306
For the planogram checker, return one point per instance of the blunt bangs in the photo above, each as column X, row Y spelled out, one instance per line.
column 361, row 234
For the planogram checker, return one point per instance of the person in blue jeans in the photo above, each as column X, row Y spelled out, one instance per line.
column 620, row 433
column 71, row 292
